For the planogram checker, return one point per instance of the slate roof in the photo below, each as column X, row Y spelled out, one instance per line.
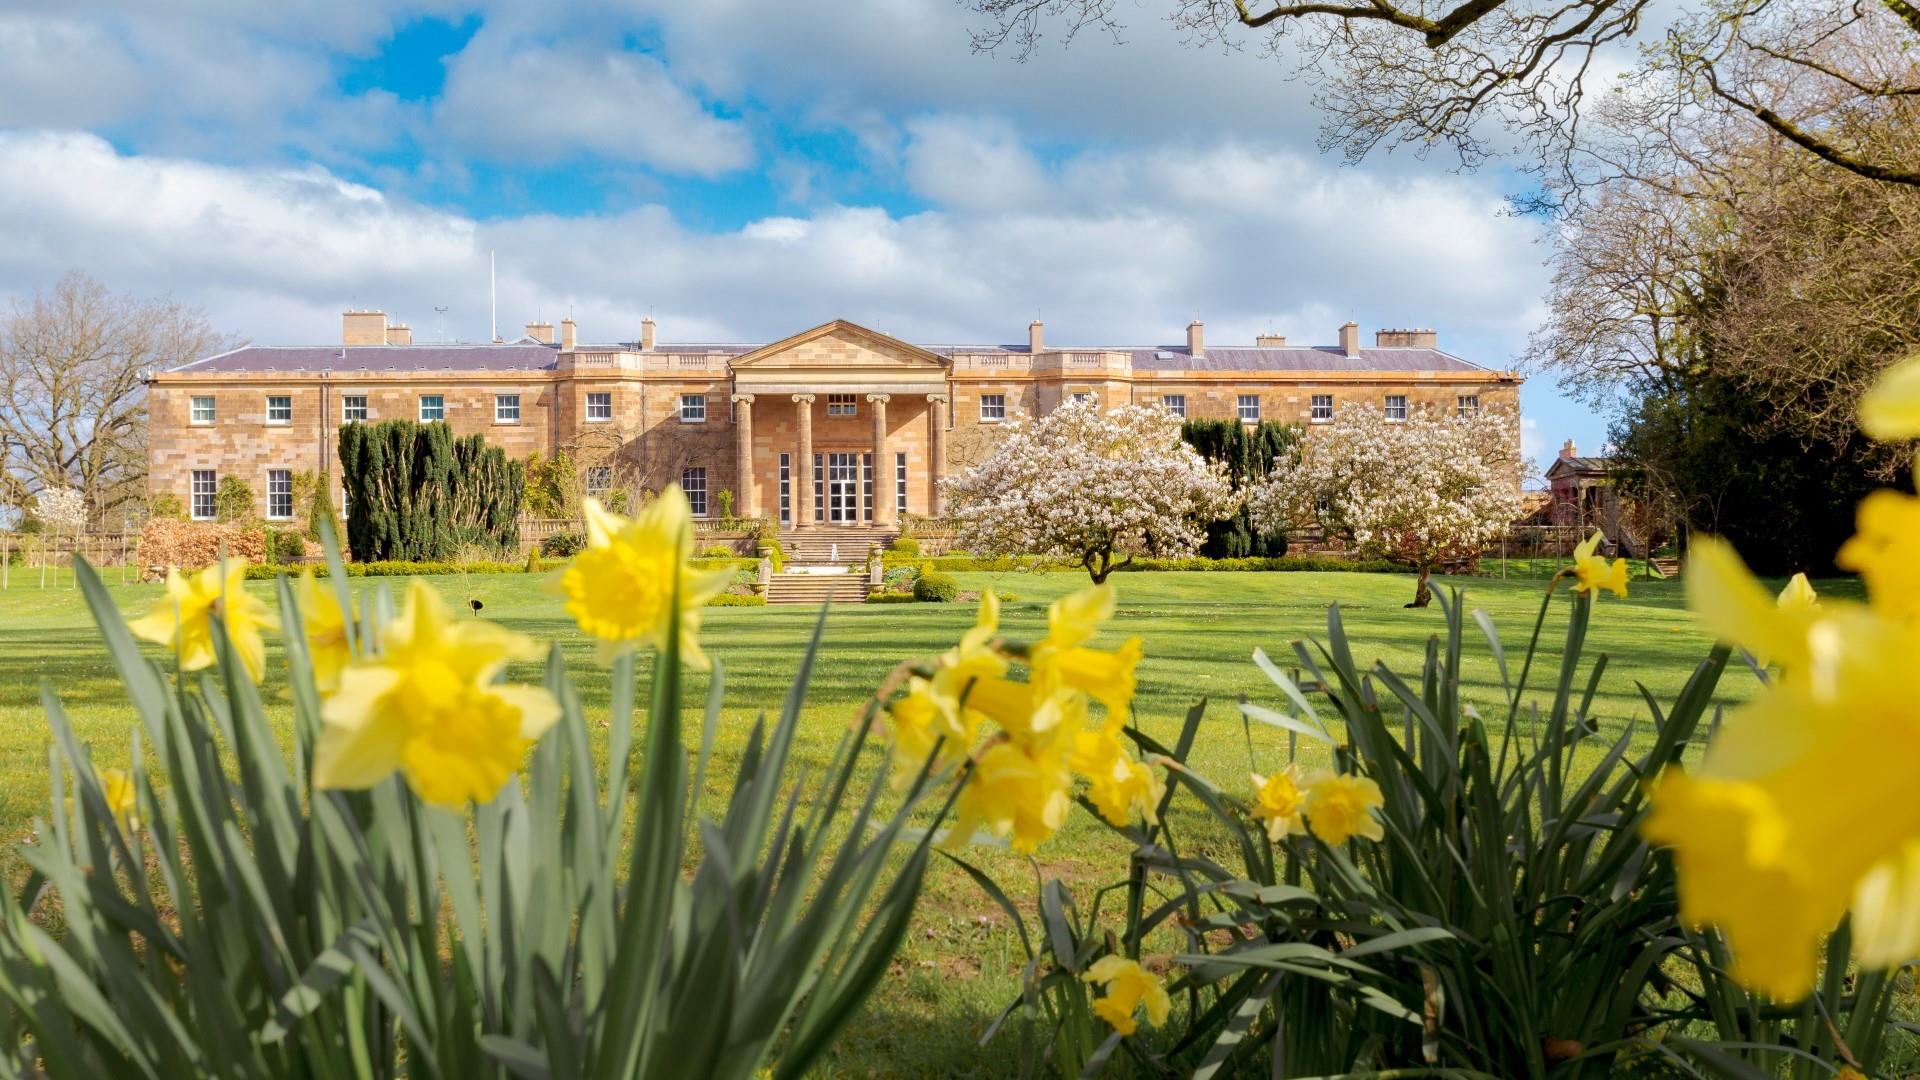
column 526, row 355
column 1581, row 465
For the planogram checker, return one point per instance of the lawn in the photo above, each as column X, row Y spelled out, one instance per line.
column 961, row 962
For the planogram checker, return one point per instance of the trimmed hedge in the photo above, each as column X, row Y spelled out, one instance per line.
column 737, row 600
column 904, row 545
column 1012, row 563
column 935, row 587
column 892, row 598
column 402, row 568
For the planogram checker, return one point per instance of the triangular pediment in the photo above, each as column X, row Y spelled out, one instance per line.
column 842, row 345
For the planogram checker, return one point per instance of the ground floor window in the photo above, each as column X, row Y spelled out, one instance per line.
column 205, row 486
column 599, row 480
column 819, row 488
column 786, row 487
column 280, row 494
column 866, row 487
column 694, row 483
column 900, row 483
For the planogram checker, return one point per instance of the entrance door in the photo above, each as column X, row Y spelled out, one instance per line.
column 843, row 488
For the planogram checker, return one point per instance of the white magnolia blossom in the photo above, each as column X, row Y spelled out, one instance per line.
column 1421, row 491
column 63, row 509
column 1091, row 485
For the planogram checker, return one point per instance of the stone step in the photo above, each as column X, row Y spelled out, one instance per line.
column 817, row 588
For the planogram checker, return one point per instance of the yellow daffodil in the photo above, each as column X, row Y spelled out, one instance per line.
column 123, row 799
column 1116, row 784
column 620, row 589
column 183, row 618
column 1732, row 604
column 1798, row 593
column 1107, row 676
column 1076, row 618
column 1592, row 572
column 1340, row 807
column 921, row 720
column 1018, row 790
column 1128, row 987
column 1885, row 551
column 1891, row 410
column 428, row 706
column 325, row 628
column 1278, row 801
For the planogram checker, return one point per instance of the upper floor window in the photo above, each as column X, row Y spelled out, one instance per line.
column 694, row 483
column 1468, row 405
column 1396, row 406
column 279, row 410
column 693, row 408
column 1175, row 404
column 1086, row 395
column 993, row 406
column 841, row 405
column 353, row 408
column 600, row 406
column 1321, row 408
column 506, row 408
column 203, row 410
column 280, row 494
column 206, row 484
column 1249, row 407
column 599, row 480
column 433, row 407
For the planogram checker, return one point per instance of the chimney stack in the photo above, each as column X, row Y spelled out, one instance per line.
column 1350, row 339
column 1567, row 450
column 646, row 334
column 401, row 334
column 568, row 333
column 363, row 328
column 1196, row 339
column 541, row 332
column 1270, row 341
column 1406, row 339
column 1036, row 338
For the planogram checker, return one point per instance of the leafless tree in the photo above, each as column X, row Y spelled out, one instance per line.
column 1491, row 77
column 72, row 400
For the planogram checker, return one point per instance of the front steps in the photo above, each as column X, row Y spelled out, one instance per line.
column 817, row 589
column 816, row 546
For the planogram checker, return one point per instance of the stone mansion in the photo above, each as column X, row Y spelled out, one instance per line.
column 837, row 425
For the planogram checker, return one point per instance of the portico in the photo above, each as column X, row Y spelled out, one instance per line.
column 839, row 426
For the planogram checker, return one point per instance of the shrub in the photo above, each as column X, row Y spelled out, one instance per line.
column 724, row 500
column 165, row 542
column 285, row 546
column 892, row 598
column 320, row 509
column 233, row 501
column 900, row 577
column 166, row 505
column 533, row 560
column 416, row 492
column 400, row 568
column 935, row 587
column 737, row 600
column 905, row 545
column 716, row 551
column 563, row 545
column 771, row 547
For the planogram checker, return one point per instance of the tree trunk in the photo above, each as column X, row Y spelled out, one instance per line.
column 1422, row 593
column 1098, row 573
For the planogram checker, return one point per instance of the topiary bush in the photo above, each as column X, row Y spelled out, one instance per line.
column 562, row 545
column 716, row 551
column 935, row 587
column 904, row 545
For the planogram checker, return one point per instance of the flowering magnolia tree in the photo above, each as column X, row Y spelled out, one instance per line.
column 1091, row 485
column 63, row 509
column 1422, row 491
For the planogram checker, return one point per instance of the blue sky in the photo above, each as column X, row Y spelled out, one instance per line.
column 736, row 169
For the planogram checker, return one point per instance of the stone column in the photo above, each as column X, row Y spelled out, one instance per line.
column 883, row 496
column 802, row 482
column 743, row 455
column 936, row 453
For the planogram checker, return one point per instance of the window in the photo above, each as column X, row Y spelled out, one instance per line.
column 900, row 483
column 1175, row 404
column 1322, row 505
column 205, row 484
column 993, row 406
column 786, row 487
column 1469, row 405
column 1322, row 408
column 600, row 406
column 694, row 483
column 353, row 408
column 433, row 407
column 819, row 488
column 1085, row 395
column 599, row 480
column 203, row 410
column 1396, row 406
column 506, row 408
column 1250, row 407
column 279, row 494
column 279, row 410
column 840, row 405
column 693, row 408
column 866, row 487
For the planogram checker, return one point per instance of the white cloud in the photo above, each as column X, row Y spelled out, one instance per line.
column 524, row 103
column 1119, row 249
column 972, row 162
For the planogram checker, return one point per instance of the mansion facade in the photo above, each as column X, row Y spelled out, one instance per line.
column 838, row 425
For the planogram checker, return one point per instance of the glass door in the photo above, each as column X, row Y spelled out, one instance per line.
column 843, row 488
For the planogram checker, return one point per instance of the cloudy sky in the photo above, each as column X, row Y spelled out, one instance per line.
column 741, row 170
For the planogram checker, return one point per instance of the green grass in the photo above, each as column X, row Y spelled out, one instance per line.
column 962, row 961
